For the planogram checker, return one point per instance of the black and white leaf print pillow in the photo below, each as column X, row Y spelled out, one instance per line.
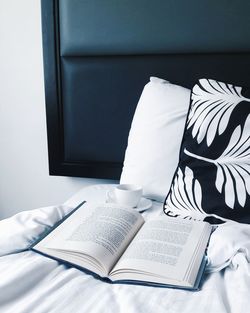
column 212, row 181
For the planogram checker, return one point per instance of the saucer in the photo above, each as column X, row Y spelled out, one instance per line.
column 143, row 205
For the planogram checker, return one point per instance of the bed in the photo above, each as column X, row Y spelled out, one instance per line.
column 97, row 59
column 32, row 283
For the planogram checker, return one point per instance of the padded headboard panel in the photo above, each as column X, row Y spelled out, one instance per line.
column 98, row 55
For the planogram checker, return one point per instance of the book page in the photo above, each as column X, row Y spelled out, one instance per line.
column 102, row 231
column 163, row 247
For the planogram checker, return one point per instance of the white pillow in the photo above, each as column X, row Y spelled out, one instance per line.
column 155, row 137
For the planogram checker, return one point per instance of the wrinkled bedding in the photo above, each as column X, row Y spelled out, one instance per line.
column 30, row 282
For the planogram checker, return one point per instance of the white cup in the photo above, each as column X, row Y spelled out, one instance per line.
column 126, row 194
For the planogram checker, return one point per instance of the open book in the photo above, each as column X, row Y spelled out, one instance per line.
column 116, row 243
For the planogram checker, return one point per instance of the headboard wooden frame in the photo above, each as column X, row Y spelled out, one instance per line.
column 92, row 92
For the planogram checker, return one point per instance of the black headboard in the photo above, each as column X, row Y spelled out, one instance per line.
column 98, row 55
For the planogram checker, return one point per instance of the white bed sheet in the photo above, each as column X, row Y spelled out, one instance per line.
column 30, row 282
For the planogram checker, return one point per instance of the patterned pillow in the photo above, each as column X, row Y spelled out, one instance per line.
column 212, row 180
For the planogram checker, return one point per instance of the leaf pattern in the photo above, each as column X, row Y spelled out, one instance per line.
column 212, row 106
column 233, row 166
column 185, row 193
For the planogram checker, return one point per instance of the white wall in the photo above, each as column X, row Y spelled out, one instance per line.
column 24, row 179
